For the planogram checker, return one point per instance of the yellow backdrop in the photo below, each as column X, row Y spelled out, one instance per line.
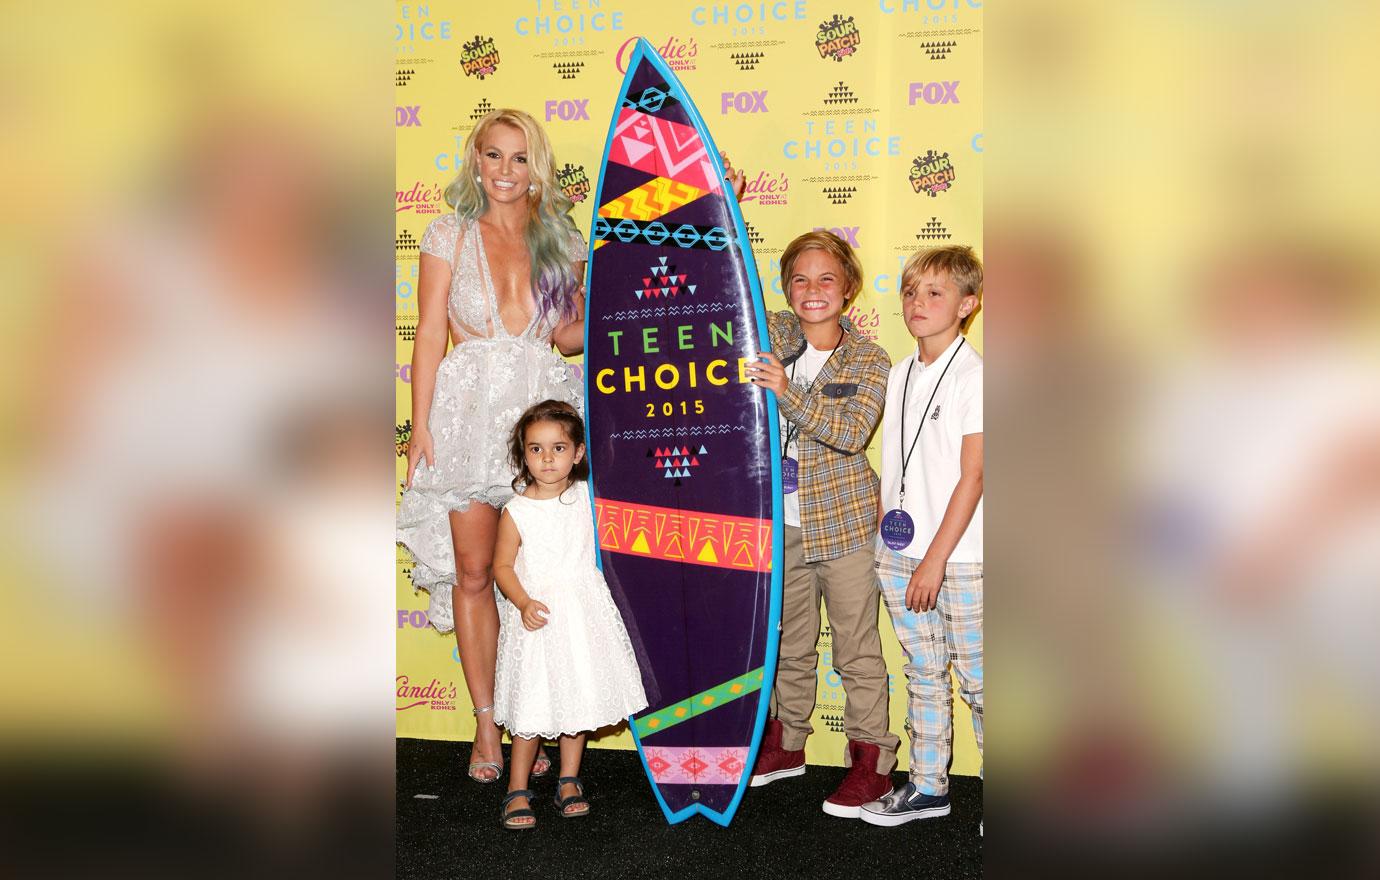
column 863, row 118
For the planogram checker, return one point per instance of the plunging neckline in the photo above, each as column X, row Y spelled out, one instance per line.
column 486, row 274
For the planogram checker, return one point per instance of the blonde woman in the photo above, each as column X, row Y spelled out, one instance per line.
column 500, row 280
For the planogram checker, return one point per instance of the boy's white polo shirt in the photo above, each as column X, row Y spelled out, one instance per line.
column 932, row 473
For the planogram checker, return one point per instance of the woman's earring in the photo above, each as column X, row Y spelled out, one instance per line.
column 531, row 188
column 478, row 179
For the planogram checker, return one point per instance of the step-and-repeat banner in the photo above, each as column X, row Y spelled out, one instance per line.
column 863, row 118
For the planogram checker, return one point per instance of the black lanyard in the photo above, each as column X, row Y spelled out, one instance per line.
column 793, row 429
column 905, row 392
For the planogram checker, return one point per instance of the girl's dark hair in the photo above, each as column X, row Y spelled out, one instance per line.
column 556, row 411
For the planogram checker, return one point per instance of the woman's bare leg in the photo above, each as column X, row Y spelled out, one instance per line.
column 473, row 533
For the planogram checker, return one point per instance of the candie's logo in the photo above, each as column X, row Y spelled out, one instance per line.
column 480, row 57
column 932, row 173
column 422, row 198
column 767, row 189
column 837, row 38
column 678, row 54
column 433, row 694
column 573, row 181
column 868, row 322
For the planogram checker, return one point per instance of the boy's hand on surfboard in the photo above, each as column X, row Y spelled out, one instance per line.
column 737, row 180
column 418, row 445
column 768, row 372
column 534, row 614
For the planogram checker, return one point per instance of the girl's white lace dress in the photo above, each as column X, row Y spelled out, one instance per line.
column 578, row 672
column 486, row 381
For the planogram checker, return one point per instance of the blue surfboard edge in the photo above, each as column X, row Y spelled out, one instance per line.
column 644, row 49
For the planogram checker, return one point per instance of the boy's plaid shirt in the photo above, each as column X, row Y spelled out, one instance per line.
column 838, row 488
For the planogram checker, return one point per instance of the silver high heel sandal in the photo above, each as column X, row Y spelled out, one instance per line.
column 478, row 767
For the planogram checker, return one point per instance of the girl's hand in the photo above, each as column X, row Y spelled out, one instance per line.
column 769, row 374
column 419, row 445
column 534, row 615
column 737, row 180
column 923, row 592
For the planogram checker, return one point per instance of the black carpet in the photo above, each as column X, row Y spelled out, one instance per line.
column 779, row 829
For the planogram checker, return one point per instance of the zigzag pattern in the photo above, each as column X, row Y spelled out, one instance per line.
column 652, row 199
column 653, row 433
column 702, row 308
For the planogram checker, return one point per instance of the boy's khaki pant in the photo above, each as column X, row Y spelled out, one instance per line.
column 848, row 586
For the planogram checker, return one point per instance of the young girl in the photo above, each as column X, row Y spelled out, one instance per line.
column 565, row 665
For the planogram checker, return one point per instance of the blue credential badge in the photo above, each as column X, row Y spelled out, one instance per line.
column 898, row 529
column 790, row 475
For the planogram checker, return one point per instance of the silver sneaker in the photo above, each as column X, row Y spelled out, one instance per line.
column 904, row 804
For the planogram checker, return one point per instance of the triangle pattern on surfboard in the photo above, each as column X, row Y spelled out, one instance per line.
column 636, row 149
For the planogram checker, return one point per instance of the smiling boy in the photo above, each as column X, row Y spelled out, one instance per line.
column 830, row 384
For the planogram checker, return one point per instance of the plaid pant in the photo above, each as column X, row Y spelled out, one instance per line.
column 950, row 634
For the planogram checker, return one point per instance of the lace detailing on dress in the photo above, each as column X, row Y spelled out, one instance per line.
column 482, row 386
column 439, row 238
column 472, row 305
column 578, row 672
column 578, row 251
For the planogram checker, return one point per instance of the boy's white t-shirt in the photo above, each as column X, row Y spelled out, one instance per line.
column 933, row 468
column 801, row 372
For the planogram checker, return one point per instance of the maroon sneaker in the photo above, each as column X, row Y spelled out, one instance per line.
column 862, row 785
column 774, row 762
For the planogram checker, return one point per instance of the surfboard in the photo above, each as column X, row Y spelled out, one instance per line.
column 685, row 479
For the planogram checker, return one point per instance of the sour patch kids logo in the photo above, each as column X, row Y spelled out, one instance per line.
column 480, row 57
column 837, row 38
column 573, row 181
column 932, row 173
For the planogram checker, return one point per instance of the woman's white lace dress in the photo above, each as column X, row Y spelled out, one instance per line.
column 486, row 381
column 578, row 672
